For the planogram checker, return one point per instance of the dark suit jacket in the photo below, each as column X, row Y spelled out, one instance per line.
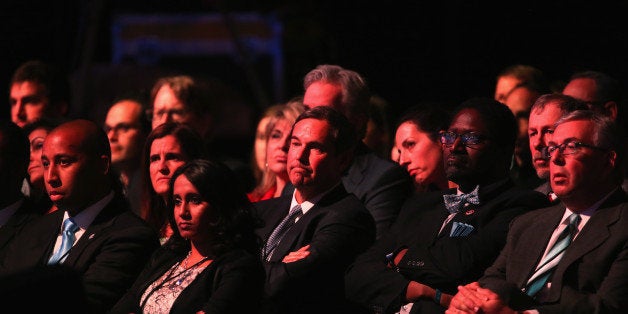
column 26, row 213
column 437, row 260
column 382, row 185
column 592, row 276
column 338, row 228
column 232, row 283
column 108, row 256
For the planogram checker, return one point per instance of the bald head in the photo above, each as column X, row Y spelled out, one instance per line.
column 76, row 159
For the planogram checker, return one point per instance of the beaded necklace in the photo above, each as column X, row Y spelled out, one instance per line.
column 180, row 276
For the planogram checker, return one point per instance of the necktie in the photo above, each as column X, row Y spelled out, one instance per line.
column 280, row 231
column 455, row 202
column 545, row 269
column 67, row 240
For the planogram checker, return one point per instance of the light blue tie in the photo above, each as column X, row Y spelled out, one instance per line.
column 455, row 202
column 67, row 240
column 545, row 269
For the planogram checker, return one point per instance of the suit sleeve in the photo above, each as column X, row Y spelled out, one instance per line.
column 121, row 258
column 449, row 261
column 386, row 196
column 338, row 238
column 371, row 283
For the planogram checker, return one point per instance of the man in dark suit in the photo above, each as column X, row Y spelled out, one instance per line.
column 584, row 271
column 381, row 184
column 436, row 244
column 305, row 267
column 15, row 210
column 93, row 233
column 543, row 114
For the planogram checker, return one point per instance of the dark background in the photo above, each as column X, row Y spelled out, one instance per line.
column 409, row 51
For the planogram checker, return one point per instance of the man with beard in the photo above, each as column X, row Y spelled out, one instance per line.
column 447, row 238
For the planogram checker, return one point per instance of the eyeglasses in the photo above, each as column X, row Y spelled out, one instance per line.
column 469, row 138
column 120, row 127
column 175, row 114
column 570, row 148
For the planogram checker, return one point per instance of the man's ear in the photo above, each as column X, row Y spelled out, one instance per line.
column 105, row 164
column 610, row 108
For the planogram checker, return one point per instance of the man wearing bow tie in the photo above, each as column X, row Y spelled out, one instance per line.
column 444, row 239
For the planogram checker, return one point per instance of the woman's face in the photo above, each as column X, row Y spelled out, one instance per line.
column 419, row 155
column 276, row 156
column 35, row 169
column 165, row 158
column 192, row 213
column 260, row 143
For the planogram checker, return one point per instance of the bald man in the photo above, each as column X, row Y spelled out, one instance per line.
column 108, row 244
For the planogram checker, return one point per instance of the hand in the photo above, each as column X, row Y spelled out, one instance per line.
column 474, row 299
column 297, row 255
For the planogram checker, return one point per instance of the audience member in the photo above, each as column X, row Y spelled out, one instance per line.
column 211, row 263
column 440, row 239
column 544, row 113
column 417, row 138
column 311, row 237
column 603, row 94
column 258, row 155
column 38, row 90
column 127, row 127
column 167, row 148
column 15, row 210
column 600, row 91
column 35, row 187
column 195, row 101
column 509, row 82
column 93, row 232
column 275, row 180
column 379, row 183
column 518, row 86
column 571, row 257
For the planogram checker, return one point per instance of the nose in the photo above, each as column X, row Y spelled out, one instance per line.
column 112, row 135
column 51, row 176
column 19, row 114
column 404, row 161
column 163, row 166
column 556, row 157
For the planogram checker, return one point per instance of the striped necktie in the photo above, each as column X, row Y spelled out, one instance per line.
column 281, row 230
column 545, row 269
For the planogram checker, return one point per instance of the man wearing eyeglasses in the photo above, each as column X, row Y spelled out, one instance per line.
column 544, row 113
column 127, row 127
column 589, row 274
column 443, row 239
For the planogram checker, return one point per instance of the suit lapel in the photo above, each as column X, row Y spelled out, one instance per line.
column 535, row 240
column 293, row 239
column 594, row 233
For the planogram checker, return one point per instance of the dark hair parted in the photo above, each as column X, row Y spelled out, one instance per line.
column 54, row 81
column 153, row 208
column 342, row 132
column 234, row 220
column 427, row 118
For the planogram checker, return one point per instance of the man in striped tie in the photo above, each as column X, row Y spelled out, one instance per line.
column 571, row 257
